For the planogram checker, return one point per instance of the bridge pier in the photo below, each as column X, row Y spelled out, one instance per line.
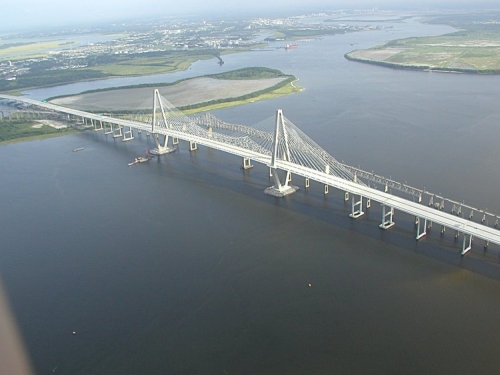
column 424, row 232
column 387, row 221
column 161, row 149
column 278, row 189
column 110, row 131
column 467, row 245
column 292, row 152
column 98, row 128
column 128, row 135
column 246, row 163
column 117, row 132
column 357, row 207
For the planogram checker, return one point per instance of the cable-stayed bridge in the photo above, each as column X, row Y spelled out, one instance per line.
column 279, row 144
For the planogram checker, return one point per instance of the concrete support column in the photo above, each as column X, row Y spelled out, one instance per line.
column 246, row 163
column 424, row 229
column 387, row 216
column 357, row 207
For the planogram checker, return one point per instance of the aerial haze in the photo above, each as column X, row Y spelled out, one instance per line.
column 35, row 14
column 116, row 263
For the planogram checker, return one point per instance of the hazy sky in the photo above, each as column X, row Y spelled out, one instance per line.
column 26, row 14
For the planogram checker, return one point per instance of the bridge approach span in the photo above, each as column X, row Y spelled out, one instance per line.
column 289, row 150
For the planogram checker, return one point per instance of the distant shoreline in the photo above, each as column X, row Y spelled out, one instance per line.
column 247, row 85
column 425, row 68
column 39, row 137
column 193, row 94
column 473, row 48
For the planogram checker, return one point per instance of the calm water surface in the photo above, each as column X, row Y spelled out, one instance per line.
column 183, row 266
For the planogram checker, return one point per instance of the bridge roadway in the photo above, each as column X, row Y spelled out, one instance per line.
column 418, row 210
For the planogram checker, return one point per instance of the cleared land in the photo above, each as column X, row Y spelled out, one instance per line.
column 23, row 51
column 19, row 130
column 474, row 49
column 193, row 91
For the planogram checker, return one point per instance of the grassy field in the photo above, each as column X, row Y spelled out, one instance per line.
column 290, row 88
column 240, row 84
column 39, row 49
column 17, row 131
column 20, row 131
column 474, row 49
column 109, row 66
column 39, row 137
column 146, row 66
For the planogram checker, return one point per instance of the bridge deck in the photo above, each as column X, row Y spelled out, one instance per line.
column 413, row 208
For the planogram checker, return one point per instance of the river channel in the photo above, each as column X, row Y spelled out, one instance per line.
column 183, row 266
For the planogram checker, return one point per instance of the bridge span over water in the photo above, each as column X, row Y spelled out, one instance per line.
column 280, row 145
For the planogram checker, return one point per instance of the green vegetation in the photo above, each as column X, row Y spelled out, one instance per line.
column 284, row 88
column 249, row 73
column 109, row 66
column 25, row 50
column 148, row 63
column 473, row 49
column 299, row 33
column 296, row 34
column 50, row 78
column 243, row 73
column 20, row 130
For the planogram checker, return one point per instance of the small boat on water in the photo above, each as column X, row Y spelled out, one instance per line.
column 79, row 149
column 140, row 159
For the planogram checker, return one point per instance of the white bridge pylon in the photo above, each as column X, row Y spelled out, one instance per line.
column 281, row 149
column 281, row 146
column 157, row 121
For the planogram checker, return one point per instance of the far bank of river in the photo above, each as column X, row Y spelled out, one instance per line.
column 274, row 57
column 193, row 94
column 183, row 265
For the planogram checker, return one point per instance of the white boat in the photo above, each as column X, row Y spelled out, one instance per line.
column 140, row 159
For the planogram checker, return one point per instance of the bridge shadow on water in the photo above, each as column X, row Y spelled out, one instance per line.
column 210, row 168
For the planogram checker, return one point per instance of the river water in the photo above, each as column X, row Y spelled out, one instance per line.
column 183, row 266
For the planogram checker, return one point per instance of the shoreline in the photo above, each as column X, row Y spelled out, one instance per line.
column 422, row 68
column 40, row 137
column 190, row 95
column 286, row 85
